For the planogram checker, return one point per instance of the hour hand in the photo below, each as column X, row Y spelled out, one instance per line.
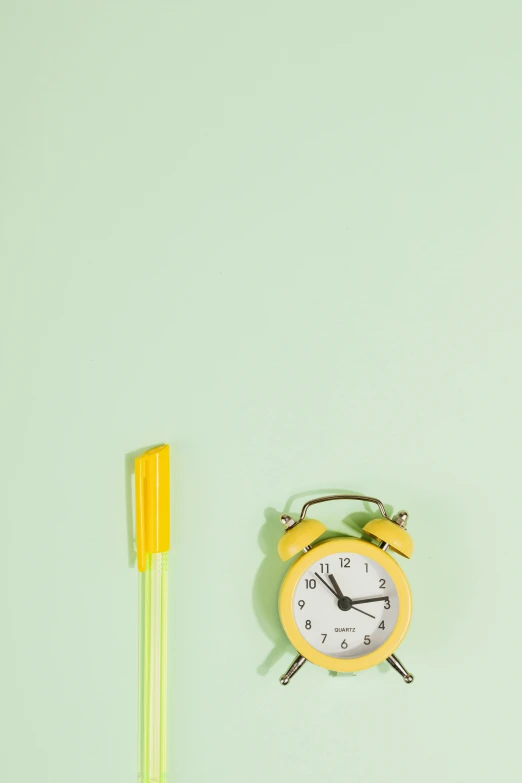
column 338, row 590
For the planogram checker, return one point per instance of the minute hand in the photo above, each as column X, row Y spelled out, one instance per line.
column 370, row 600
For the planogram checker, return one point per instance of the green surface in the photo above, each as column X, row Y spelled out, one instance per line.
column 285, row 238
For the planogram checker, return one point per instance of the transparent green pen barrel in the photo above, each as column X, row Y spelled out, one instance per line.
column 153, row 670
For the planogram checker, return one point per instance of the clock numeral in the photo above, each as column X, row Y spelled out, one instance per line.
column 325, row 568
column 382, row 583
column 344, row 644
column 308, row 625
column 345, row 562
column 324, row 635
column 311, row 584
column 381, row 625
column 387, row 603
column 301, row 604
column 366, row 566
column 367, row 640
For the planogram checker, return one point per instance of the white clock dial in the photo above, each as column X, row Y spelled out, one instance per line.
column 346, row 605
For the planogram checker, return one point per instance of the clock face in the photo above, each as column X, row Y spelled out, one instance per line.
column 345, row 605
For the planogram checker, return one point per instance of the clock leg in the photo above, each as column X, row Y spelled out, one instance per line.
column 294, row 668
column 397, row 665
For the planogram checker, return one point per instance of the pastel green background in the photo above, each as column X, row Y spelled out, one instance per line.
column 284, row 237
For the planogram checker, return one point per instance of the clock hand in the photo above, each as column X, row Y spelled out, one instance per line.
column 338, row 594
column 345, row 603
column 338, row 591
column 325, row 584
column 371, row 600
column 361, row 611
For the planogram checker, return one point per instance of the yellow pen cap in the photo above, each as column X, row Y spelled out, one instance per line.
column 152, row 476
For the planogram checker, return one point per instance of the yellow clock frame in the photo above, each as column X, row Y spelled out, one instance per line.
column 296, row 571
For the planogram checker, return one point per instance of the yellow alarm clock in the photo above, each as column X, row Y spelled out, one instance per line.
column 345, row 604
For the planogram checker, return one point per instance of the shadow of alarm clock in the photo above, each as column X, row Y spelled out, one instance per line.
column 345, row 603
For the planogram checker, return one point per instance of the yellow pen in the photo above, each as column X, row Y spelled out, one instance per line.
column 152, row 476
